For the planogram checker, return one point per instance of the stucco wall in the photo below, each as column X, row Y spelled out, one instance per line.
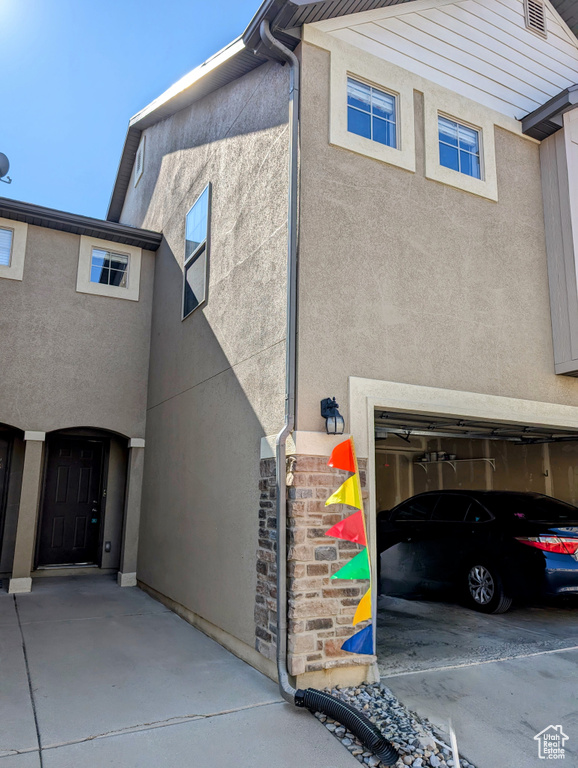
column 216, row 379
column 406, row 279
column 71, row 359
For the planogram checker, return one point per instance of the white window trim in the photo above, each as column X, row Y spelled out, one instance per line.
column 348, row 59
column 468, row 113
column 15, row 270
column 83, row 283
column 379, row 74
column 140, row 152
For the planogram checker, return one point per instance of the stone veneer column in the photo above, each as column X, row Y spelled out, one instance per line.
column 126, row 576
column 21, row 580
column 320, row 610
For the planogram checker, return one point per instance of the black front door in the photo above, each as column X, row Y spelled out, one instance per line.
column 70, row 523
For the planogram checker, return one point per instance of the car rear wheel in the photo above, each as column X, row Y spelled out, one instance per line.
column 485, row 589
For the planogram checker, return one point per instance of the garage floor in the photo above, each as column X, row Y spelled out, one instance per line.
column 501, row 679
column 416, row 635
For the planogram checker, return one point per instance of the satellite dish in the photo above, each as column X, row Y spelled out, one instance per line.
column 4, row 168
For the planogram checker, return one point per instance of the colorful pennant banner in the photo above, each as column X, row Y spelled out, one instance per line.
column 357, row 568
column 348, row 493
column 350, row 529
column 363, row 611
column 361, row 642
column 353, row 529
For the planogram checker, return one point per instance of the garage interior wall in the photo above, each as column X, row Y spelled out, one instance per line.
column 549, row 468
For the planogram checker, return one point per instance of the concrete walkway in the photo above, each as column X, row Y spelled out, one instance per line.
column 94, row 675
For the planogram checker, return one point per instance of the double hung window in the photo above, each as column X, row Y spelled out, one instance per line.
column 109, row 268
column 459, row 147
column 196, row 253
column 371, row 113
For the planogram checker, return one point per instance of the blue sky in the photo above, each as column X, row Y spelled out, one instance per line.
column 74, row 71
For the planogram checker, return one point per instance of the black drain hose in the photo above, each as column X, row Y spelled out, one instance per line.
column 354, row 721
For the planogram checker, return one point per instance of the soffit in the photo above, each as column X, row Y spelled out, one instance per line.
column 78, row 225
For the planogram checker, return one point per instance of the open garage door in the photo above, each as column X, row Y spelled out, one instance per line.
column 423, row 621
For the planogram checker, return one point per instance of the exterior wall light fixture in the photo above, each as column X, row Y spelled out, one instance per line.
column 334, row 421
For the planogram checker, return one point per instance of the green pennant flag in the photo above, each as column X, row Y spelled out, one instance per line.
column 356, row 568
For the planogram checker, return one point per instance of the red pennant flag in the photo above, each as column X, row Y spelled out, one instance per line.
column 350, row 529
column 342, row 457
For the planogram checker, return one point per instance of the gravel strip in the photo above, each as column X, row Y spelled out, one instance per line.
column 419, row 743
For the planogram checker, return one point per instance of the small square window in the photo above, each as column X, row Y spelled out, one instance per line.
column 459, row 147
column 196, row 253
column 6, row 237
column 109, row 268
column 371, row 113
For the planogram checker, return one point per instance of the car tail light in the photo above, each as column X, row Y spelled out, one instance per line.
column 563, row 546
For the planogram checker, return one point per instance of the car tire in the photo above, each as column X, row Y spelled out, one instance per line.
column 485, row 588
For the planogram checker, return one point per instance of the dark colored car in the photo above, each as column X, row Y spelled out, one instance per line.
column 495, row 546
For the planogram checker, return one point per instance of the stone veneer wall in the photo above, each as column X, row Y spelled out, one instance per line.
column 320, row 610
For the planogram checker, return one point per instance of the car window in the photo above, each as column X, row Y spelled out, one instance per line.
column 477, row 514
column 533, row 508
column 452, row 508
column 418, row 508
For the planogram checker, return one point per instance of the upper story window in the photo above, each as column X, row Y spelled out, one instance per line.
column 459, row 147
column 6, row 236
column 139, row 161
column 196, row 252
column 106, row 268
column 13, row 236
column 109, row 268
column 371, row 113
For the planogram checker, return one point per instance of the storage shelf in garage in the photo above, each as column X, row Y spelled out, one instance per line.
column 452, row 462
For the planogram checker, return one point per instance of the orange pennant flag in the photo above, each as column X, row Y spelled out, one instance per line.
column 342, row 457
column 363, row 611
column 350, row 529
column 348, row 493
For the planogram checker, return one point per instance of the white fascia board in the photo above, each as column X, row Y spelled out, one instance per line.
column 188, row 80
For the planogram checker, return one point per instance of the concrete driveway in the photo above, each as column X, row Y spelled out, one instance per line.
column 501, row 679
column 94, row 675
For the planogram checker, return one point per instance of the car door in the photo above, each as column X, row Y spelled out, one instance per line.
column 401, row 562
column 447, row 538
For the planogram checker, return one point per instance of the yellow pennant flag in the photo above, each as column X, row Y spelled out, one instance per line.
column 349, row 493
column 363, row 611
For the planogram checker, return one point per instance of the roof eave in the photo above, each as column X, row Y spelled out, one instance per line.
column 548, row 118
column 38, row 215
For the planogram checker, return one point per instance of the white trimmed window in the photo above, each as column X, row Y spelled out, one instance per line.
column 13, row 236
column 459, row 147
column 6, row 238
column 196, row 253
column 108, row 269
column 371, row 113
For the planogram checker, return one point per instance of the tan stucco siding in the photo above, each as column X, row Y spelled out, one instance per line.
column 71, row 359
column 406, row 279
column 216, row 383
